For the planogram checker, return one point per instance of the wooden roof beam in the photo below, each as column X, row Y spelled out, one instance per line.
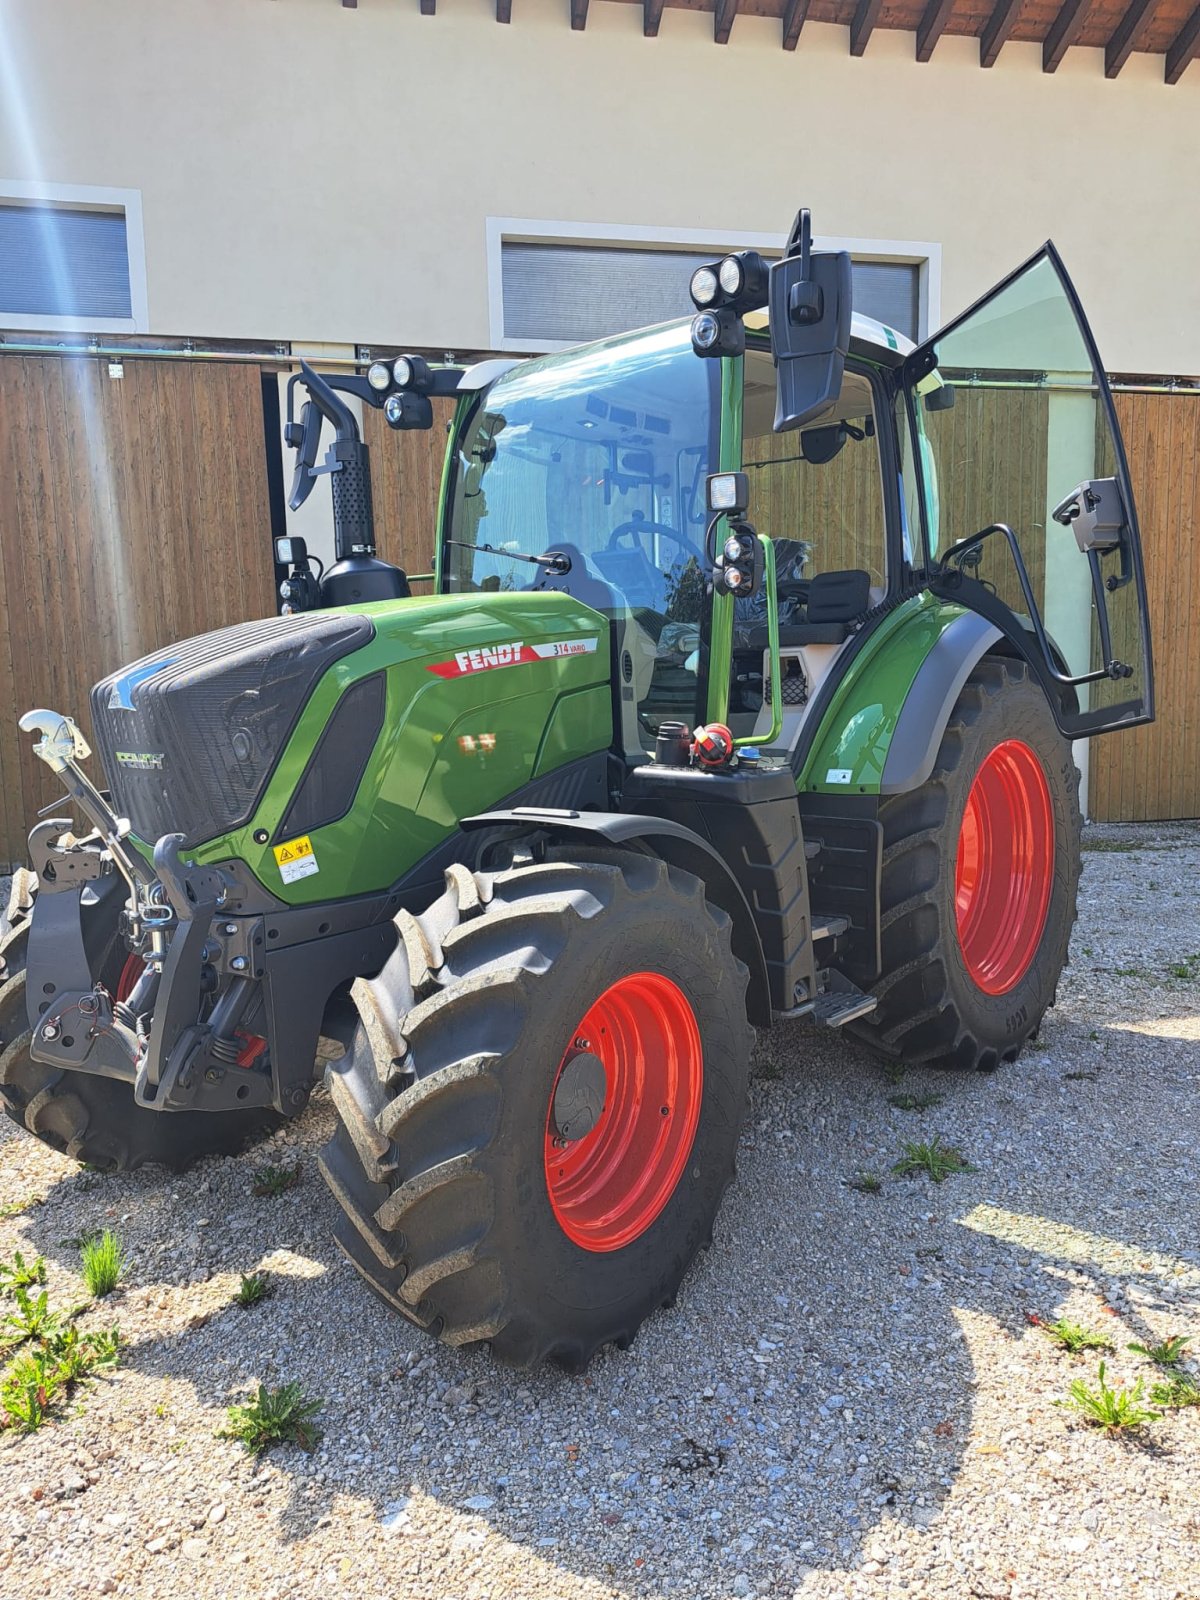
column 863, row 25
column 724, row 12
column 652, row 11
column 1184, row 50
column 932, row 26
column 579, row 11
column 1125, row 36
column 503, row 10
column 1064, row 30
column 995, row 35
column 794, row 14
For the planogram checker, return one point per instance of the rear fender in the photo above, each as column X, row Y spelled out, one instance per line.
column 671, row 842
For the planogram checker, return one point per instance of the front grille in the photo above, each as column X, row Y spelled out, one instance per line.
column 190, row 735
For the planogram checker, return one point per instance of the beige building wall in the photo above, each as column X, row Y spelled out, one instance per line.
column 310, row 172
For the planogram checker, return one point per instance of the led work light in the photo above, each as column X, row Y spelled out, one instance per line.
column 722, row 292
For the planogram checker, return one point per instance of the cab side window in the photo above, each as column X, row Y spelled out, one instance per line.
column 818, row 491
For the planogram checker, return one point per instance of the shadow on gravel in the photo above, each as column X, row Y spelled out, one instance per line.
column 816, row 1375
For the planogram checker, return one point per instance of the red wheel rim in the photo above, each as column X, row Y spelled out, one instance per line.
column 607, row 1187
column 1005, row 867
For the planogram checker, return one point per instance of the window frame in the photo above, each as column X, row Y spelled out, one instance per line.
column 86, row 197
column 925, row 255
column 883, row 396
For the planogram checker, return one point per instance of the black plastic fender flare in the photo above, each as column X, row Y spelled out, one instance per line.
column 930, row 700
column 671, row 842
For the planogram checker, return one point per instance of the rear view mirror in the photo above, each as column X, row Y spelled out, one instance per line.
column 940, row 399
column 819, row 445
column 304, row 437
column 810, row 298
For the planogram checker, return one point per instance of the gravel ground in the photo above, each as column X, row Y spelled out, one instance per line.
column 850, row 1398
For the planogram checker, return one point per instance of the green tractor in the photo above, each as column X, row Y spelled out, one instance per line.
column 517, row 864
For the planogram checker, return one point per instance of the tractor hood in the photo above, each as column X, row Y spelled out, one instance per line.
column 363, row 735
column 190, row 735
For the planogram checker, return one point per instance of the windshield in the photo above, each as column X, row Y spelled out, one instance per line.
column 601, row 452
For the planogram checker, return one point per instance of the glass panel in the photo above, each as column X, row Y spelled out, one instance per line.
column 1023, row 423
column 604, row 449
column 568, row 292
column 63, row 263
column 825, row 515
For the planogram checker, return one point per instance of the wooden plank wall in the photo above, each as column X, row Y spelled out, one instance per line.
column 133, row 511
column 406, row 476
column 1154, row 772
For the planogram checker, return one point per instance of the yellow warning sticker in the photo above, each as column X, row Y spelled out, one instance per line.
column 296, row 859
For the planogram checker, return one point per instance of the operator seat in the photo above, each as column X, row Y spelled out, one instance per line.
column 835, row 599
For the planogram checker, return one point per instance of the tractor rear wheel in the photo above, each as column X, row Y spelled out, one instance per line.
column 980, row 873
column 86, row 1117
column 541, row 1104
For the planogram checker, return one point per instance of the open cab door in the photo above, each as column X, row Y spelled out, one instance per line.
column 1028, row 507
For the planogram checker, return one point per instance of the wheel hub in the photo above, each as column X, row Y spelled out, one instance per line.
column 579, row 1097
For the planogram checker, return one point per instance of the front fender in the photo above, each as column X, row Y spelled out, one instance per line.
column 673, row 843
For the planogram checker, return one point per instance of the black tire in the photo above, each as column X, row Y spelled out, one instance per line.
column 88, row 1118
column 931, row 1010
column 445, row 1091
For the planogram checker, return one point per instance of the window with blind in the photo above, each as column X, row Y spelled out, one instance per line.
column 64, row 261
column 576, row 292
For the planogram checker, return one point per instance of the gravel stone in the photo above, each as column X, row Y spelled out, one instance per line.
column 854, row 1395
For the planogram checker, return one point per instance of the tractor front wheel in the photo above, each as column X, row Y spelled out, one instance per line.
column 541, row 1104
column 980, row 874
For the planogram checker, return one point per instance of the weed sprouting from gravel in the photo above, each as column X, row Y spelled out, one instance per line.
column 47, row 1374
column 16, row 1274
column 893, row 1071
column 33, row 1319
column 866, row 1183
column 1074, row 1337
column 103, row 1264
column 1179, row 1391
column 1114, row 1410
column 254, row 1287
column 274, row 1181
column 274, row 1416
column 1168, row 1353
column 915, row 1102
column 939, row 1160
column 1110, row 846
column 14, row 1208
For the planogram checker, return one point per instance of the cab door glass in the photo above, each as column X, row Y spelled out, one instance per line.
column 1012, row 413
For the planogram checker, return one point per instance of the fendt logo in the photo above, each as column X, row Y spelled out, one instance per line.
column 487, row 656
column 141, row 760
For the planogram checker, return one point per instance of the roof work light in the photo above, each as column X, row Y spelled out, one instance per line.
column 722, row 292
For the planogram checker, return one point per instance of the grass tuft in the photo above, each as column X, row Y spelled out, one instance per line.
column 103, row 1262
column 1074, row 1337
column 939, row 1160
column 254, row 1287
column 1167, row 1354
column 275, row 1181
column 274, row 1416
column 915, row 1102
column 1179, row 1390
column 866, row 1183
column 1114, row 1410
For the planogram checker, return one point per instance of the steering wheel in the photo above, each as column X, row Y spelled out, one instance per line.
column 640, row 525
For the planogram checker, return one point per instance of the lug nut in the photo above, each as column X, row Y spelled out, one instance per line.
column 238, row 963
column 50, row 1031
column 229, row 928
